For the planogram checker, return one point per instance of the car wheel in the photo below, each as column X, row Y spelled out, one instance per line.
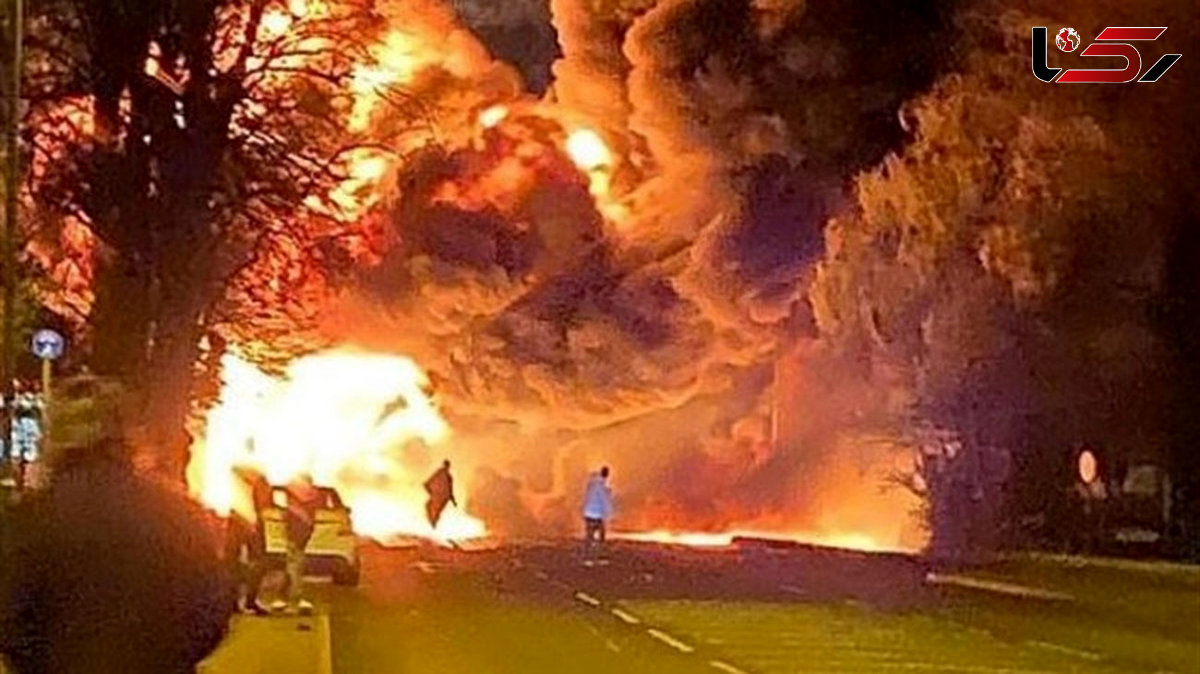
column 347, row 574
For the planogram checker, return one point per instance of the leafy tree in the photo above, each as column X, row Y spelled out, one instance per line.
column 196, row 139
column 1005, row 264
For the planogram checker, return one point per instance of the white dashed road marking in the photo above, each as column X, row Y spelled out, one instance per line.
column 631, row 619
column 670, row 640
column 626, row 616
column 724, row 667
column 587, row 599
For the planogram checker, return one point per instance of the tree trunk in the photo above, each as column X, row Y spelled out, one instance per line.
column 121, row 320
column 167, row 389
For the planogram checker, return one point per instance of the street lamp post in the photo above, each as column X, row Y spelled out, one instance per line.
column 12, row 172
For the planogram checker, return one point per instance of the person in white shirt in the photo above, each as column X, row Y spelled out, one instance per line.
column 597, row 509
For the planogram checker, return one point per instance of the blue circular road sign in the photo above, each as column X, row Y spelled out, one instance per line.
column 47, row 344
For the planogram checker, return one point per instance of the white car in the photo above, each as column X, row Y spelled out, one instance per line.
column 333, row 548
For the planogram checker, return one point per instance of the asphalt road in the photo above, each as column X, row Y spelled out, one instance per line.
column 538, row 608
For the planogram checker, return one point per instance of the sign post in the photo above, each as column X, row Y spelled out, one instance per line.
column 47, row 345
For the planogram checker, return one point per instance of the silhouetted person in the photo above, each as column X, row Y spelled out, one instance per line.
column 247, row 550
column 300, row 518
column 440, row 487
column 109, row 571
column 597, row 509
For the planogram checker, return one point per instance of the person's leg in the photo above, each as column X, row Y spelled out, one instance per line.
column 255, row 570
column 589, row 535
column 295, row 572
column 602, row 531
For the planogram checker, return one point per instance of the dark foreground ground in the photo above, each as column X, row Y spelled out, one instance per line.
column 664, row 610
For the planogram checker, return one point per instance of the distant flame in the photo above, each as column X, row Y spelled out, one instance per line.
column 358, row 422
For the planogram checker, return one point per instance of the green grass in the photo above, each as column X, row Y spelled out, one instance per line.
column 1141, row 616
column 1159, row 594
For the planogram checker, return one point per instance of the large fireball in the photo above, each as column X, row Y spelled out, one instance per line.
column 363, row 423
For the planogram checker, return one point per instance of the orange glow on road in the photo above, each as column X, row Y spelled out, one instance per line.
column 844, row 540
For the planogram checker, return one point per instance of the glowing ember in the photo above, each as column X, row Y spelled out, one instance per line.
column 358, row 191
column 398, row 58
column 588, row 150
column 592, row 155
column 362, row 423
column 275, row 22
column 492, row 116
column 845, row 540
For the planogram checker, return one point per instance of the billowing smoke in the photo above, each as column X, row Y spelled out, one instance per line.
column 673, row 342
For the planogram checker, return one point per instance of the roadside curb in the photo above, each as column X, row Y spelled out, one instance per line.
column 996, row 587
column 263, row 645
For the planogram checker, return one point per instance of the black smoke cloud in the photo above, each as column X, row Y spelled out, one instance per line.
column 556, row 340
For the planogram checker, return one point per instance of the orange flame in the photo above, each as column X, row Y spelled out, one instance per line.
column 398, row 59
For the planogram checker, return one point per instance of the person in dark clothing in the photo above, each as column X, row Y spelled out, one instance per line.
column 440, row 487
column 247, row 551
column 110, row 571
column 300, row 518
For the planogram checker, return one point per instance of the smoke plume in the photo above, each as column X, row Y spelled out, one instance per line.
column 558, row 340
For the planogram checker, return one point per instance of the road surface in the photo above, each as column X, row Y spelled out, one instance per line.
column 665, row 610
